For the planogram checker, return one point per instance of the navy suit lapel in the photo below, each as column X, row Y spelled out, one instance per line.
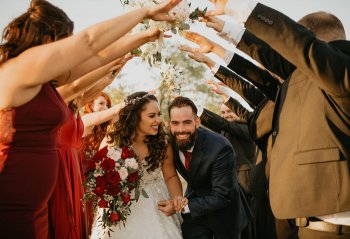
column 197, row 154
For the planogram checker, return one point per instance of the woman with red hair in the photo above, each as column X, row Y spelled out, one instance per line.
column 98, row 114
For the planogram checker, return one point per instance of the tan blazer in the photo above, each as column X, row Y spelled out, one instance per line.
column 309, row 150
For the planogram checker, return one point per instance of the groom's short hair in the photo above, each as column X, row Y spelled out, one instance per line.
column 181, row 101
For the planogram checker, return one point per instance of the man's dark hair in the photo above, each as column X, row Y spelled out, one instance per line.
column 182, row 102
column 326, row 26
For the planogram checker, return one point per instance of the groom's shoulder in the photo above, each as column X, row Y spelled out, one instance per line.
column 213, row 138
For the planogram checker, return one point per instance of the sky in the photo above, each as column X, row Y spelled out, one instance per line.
column 87, row 12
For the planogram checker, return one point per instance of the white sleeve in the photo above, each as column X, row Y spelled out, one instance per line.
column 215, row 68
column 232, row 32
column 200, row 111
column 240, row 9
column 186, row 209
column 228, row 57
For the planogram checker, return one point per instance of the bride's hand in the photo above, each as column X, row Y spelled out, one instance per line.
column 160, row 11
column 179, row 203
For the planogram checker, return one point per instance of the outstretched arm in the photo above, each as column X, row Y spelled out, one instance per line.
column 72, row 90
column 172, row 180
column 116, row 50
column 96, row 118
column 48, row 62
column 217, row 123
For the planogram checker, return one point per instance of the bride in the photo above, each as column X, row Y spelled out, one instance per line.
column 139, row 127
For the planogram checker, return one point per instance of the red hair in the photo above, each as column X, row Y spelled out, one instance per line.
column 99, row 131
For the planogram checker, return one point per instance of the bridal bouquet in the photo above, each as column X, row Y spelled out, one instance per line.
column 112, row 183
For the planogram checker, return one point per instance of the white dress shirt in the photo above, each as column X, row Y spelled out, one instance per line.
column 186, row 209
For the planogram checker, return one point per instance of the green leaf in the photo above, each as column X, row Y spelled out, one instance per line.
column 137, row 194
column 173, row 30
column 136, row 52
column 185, row 26
column 158, row 56
column 144, row 193
column 204, row 11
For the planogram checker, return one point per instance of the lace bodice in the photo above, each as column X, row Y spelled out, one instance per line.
column 150, row 177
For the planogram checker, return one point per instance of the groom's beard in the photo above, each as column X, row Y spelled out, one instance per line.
column 181, row 144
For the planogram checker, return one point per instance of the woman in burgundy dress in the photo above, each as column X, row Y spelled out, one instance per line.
column 68, row 221
column 38, row 48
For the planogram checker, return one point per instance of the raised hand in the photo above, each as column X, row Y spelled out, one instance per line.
column 160, row 11
column 219, row 7
column 118, row 66
column 215, row 87
column 205, row 45
column 197, row 55
column 213, row 22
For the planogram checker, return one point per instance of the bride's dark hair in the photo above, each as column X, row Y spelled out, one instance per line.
column 123, row 131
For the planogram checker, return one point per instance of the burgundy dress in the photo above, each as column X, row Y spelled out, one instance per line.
column 88, row 150
column 68, row 217
column 30, row 164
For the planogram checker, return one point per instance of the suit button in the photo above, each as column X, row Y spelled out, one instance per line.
column 274, row 133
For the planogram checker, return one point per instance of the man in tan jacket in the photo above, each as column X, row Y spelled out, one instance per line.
column 309, row 148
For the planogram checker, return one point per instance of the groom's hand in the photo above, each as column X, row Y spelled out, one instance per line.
column 167, row 207
column 179, row 203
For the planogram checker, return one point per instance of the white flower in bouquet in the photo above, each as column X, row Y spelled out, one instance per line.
column 123, row 172
column 170, row 74
column 131, row 163
column 181, row 11
column 113, row 153
column 151, row 53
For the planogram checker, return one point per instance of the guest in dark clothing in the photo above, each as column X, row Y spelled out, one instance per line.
column 238, row 134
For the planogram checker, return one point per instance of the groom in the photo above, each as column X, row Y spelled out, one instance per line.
column 216, row 207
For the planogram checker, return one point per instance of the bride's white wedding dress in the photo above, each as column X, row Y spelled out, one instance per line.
column 145, row 220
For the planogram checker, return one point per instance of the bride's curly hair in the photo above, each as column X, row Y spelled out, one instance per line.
column 122, row 132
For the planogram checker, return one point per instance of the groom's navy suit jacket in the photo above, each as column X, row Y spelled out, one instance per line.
column 213, row 191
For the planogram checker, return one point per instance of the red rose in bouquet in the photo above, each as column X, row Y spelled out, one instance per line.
column 108, row 164
column 126, row 153
column 100, row 154
column 98, row 191
column 113, row 190
column 113, row 178
column 91, row 166
column 126, row 198
column 133, row 177
column 114, row 216
column 103, row 203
